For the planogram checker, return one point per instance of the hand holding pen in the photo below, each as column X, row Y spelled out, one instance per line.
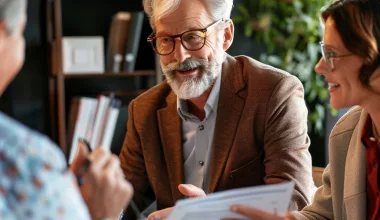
column 102, row 183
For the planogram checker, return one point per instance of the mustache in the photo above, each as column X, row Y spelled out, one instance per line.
column 188, row 64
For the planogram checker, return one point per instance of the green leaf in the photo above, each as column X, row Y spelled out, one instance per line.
column 248, row 30
column 323, row 94
column 238, row 19
column 290, row 39
column 312, row 95
column 243, row 10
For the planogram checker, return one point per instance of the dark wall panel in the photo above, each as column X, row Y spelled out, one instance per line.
column 93, row 18
column 26, row 97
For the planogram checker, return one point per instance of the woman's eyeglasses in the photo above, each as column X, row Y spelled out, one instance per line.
column 328, row 55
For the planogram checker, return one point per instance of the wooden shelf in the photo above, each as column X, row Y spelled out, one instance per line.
column 63, row 87
column 109, row 74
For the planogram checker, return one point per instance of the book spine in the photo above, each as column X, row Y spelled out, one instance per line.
column 133, row 41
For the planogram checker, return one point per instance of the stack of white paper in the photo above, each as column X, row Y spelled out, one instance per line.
column 274, row 199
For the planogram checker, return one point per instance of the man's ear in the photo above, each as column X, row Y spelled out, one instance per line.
column 228, row 35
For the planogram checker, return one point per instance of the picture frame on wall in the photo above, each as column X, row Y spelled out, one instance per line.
column 83, row 55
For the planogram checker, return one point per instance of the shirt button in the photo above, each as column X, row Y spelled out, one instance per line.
column 201, row 163
column 201, row 127
column 372, row 139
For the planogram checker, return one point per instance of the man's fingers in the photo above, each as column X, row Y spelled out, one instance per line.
column 99, row 158
column 79, row 158
column 187, row 190
column 113, row 164
column 161, row 214
column 191, row 191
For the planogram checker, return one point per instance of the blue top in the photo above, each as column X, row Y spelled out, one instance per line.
column 34, row 183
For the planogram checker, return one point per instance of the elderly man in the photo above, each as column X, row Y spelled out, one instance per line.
column 34, row 180
column 218, row 122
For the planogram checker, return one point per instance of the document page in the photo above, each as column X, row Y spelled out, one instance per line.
column 274, row 198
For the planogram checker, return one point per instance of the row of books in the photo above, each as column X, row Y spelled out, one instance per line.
column 123, row 41
column 93, row 119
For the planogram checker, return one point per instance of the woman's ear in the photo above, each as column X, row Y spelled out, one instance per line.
column 228, row 35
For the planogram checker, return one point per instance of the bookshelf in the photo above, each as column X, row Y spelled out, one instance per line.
column 75, row 18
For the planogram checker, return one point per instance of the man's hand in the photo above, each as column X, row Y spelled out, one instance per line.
column 257, row 214
column 105, row 190
column 187, row 190
column 79, row 159
column 191, row 191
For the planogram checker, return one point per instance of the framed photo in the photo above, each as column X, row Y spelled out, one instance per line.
column 83, row 55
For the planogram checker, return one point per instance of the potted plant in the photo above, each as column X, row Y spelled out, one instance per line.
column 290, row 31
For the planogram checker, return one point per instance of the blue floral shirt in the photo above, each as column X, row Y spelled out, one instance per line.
column 34, row 183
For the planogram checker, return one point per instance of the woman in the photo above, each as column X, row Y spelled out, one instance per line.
column 34, row 180
column 351, row 67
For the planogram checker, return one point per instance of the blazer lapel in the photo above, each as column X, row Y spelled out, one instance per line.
column 355, row 198
column 230, row 107
column 170, row 133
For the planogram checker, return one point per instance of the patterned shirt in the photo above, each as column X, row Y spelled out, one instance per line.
column 34, row 183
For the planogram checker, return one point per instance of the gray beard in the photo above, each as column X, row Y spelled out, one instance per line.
column 189, row 87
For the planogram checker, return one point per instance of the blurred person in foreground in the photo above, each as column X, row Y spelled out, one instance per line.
column 217, row 122
column 351, row 66
column 34, row 180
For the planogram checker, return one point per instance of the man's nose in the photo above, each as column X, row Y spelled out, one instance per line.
column 180, row 52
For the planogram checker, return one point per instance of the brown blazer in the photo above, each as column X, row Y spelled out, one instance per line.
column 260, row 136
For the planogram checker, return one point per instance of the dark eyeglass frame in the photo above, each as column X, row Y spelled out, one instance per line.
column 152, row 38
column 328, row 57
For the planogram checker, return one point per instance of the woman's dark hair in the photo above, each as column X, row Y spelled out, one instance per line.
column 358, row 23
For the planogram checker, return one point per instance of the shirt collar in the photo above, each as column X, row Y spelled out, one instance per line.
column 212, row 101
column 210, row 106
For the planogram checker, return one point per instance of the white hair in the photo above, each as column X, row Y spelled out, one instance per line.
column 12, row 12
column 157, row 9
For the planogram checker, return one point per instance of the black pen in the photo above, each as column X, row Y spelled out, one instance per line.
column 86, row 164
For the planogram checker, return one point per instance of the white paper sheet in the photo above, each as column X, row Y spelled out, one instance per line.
column 274, row 198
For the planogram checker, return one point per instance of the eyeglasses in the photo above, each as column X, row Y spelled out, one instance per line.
column 328, row 55
column 192, row 40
